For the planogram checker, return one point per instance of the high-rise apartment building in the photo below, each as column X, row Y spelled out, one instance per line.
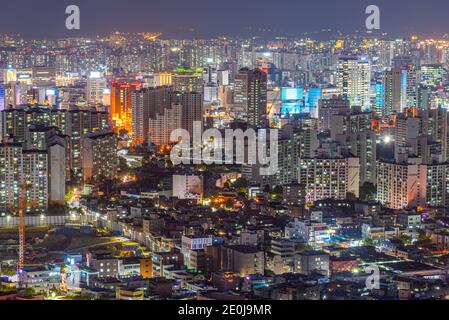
column 163, row 124
column 17, row 167
column 437, row 185
column 120, row 111
column 354, row 79
column 192, row 109
column 401, row 186
column 353, row 130
column 329, row 178
column 146, row 104
column 95, row 89
column 328, row 108
column 250, row 96
column 99, row 156
column 393, row 84
column 74, row 123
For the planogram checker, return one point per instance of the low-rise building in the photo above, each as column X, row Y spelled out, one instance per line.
column 310, row 261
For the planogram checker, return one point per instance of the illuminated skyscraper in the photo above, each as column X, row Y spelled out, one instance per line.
column 433, row 75
column 163, row 79
column 2, row 98
column 401, row 186
column 411, row 86
column 162, row 125
column 329, row 178
column 250, row 95
column 19, row 165
column 146, row 104
column 394, row 84
column 99, row 156
column 354, row 78
column 11, row 168
column 95, row 88
column 192, row 108
column 120, row 111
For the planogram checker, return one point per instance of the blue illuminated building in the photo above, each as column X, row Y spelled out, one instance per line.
column 380, row 97
column 299, row 100
column 2, row 97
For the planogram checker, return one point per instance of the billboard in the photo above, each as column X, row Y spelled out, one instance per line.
column 300, row 100
column 293, row 108
column 314, row 95
column 292, row 94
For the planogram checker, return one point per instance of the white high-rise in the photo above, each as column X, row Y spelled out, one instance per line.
column 95, row 89
column 329, row 178
column 354, row 78
column 401, row 186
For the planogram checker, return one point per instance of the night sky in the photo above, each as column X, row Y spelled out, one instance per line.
column 203, row 18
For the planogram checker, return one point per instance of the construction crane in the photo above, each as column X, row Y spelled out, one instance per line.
column 22, row 208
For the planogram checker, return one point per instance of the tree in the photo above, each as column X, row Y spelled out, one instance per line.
column 277, row 193
column 57, row 209
column 8, row 271
column 30, row 291
column 81, row 297
column 351, row 196
column 68, row 195
column 241, row 185
column 123, row 133
column 405, row 239
column 367, row 191
column 302, row 247
column 267, row 189
column 6, row 288
column 278, row 190
column 422, row 236
column 269, row 273
column 368, row 242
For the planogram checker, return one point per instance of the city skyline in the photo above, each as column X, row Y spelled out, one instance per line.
column 160, row 161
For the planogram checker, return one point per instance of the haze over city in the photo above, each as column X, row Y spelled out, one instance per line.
column 205, row 18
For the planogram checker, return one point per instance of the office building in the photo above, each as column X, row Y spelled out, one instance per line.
column 250, row 96
column 354, row 78
column 95, row 89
